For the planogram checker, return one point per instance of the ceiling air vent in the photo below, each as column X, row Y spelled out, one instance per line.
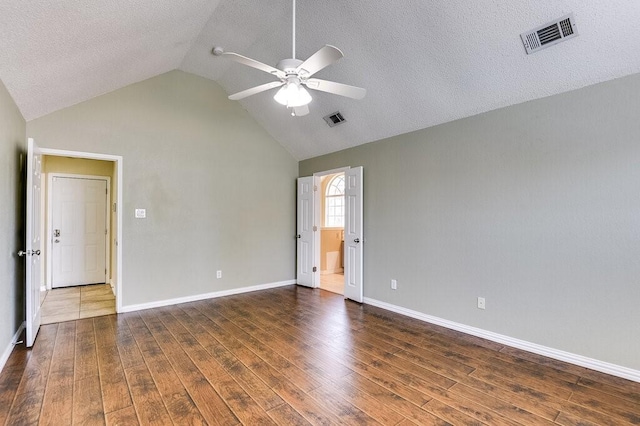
column 549, row 34
column 334, row 119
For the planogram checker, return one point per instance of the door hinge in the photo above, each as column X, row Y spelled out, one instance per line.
column 315, row 228
column 315, row 269
column 315, row 188
column 105, row 232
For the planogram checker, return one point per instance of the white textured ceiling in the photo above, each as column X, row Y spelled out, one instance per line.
column 422, row 62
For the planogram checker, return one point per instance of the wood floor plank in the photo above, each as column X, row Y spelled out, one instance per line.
column 571, row 420
column 306, row 380
column 29, row 396
column 294, row 355
column 499, row 406
column 210, row 404
column 627, row 394
column 115, row 391
column 36, row 372
column 297, row 346
column 302, row 358
column 251, row 383
column 288, row 391
column 86, row 356
column 129, row 352
column 284, row 414
column 87, row 402
column 146, row 398
column 124, row 417
column 348, row 412
column 57, row 407
column 10, row 380
column 177, row 400
column 240, row 402
column 25, row 409
column 358, row 386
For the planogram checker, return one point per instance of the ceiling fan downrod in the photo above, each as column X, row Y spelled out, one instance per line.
column 293, row 38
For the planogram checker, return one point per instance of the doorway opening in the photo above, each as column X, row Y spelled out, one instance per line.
column 81, row 234
column 308, row 225
column 332, row 215
column 77, row 235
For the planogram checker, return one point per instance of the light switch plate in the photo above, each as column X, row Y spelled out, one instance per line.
column 141, row 213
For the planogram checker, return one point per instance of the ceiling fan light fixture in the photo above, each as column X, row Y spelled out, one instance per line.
column 292, row 95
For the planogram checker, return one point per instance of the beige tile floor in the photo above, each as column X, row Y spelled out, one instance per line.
column 71, row 303
column 332, row 282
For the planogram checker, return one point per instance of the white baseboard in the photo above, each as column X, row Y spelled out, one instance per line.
column 7, row 352
column 583, row 361
column 215, row 294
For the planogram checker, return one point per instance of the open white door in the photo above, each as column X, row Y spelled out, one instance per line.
column 32, row 252
column 306, row 271
column 353, row 235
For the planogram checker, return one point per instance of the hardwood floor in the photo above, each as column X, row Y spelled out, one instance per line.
column 294, row 355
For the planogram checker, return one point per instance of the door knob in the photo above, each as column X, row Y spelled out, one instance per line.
column 36, row 252
column 298, row 236
column 357, row 240
column 24, row 253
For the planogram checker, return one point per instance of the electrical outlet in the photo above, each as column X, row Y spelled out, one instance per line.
column 218, row 274
column 481, row 304
column 394, row 284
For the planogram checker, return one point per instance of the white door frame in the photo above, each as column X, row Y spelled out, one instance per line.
column 117, row 159
column 318, row 215
column 107, row 216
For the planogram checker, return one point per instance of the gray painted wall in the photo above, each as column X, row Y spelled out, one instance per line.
column 535, row 207
column 12, row 153
column 219, row 191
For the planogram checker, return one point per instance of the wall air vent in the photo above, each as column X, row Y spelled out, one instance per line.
column 334, row 119
column 549, row 34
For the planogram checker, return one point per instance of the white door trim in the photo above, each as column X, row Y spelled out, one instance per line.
column 48, row 238
column 332, row 171
column 118, row 160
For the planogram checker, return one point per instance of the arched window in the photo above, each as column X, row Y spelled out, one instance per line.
column 334, row 203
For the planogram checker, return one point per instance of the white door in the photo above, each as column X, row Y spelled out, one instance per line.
column 353, row 238
column 307, row 272
column 32, row 252
column 78, row 231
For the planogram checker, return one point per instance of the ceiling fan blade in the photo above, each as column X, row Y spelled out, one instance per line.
column 255, row 90
column 254, row 64
column 336, row 88
column 319, row 60
column 300, row 111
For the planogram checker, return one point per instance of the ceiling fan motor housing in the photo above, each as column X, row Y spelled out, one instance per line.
column 289, row 66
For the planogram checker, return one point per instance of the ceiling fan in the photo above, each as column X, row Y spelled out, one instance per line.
column 294, row 74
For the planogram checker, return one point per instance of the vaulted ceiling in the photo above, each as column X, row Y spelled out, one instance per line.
column 422, row 62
